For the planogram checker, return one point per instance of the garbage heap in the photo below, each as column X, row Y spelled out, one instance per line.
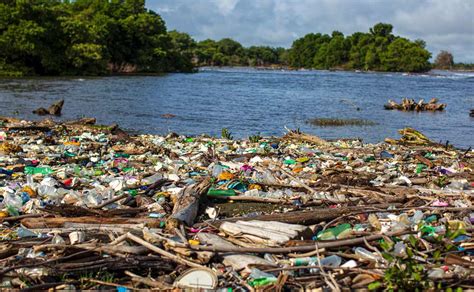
column 92, row 207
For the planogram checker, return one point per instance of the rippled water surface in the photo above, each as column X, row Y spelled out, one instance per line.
column 249, row 101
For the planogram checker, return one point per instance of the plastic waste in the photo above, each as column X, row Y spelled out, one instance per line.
column 399, row 249
column 367, row 255
column 259, row 278
column 339, row 232
column 38, row 170
column 219, row 192
column 197, row 279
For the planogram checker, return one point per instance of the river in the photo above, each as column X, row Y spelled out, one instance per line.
column 249, row 101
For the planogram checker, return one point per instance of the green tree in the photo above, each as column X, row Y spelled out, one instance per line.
column 87, row 37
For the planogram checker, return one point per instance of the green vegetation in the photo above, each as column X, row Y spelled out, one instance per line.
column 226, row 134
column 228, row 52
column 407, row 270
column 87, row 37
column 97, row 37
column 378, row 50
column 329, row 122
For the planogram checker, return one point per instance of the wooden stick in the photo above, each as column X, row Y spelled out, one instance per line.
column 312, row 191
column 108, row 283
column 113, row 200
column 253, row 199
column 301, row 248
column 163, row 252
column 147, row 281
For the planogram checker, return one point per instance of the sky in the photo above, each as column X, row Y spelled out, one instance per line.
column 443, row 24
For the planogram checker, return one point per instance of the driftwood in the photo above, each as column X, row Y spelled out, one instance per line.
column 300, row 248
column 82, row 121
column 306, row 217
column 163, row 252
column 298, row 136
column 55, row 109
column 410, row 136
column 187, row 204
column 253, row 199
column 270, row 233
column 33, row 223
column 411, row 105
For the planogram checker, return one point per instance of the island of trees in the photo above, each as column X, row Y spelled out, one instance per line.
column 97, row 37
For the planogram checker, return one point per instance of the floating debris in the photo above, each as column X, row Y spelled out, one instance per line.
column 411, row 105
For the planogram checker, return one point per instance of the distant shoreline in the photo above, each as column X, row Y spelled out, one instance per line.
column 287, row 68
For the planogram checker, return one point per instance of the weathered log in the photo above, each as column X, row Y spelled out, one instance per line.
column 272, row 233
column 82, row 121
column 60, row 221
column 292, row 135
column 187, row 204
column 55, row 109
column 306, row 217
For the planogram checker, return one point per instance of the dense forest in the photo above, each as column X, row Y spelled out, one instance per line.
column 95, row 37
column 86, row 37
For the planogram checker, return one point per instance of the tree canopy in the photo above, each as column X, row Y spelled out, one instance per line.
column 94, row 37
column 377, row 50
column 87, row 37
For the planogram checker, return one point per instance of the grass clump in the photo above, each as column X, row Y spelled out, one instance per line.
column 333, row 122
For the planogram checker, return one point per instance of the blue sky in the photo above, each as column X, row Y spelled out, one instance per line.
column 443, row 24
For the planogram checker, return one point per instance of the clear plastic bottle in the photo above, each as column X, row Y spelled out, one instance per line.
column 367, row 255
column 217, row 170
column 12, row 201
column 48, row 193
column 330, row 261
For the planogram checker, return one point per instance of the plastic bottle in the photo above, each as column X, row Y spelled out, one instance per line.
column 48, row 193
column 260, row 278
column 461, row 184
column 12, row 201
column 417, row 217
column 330, row 261
column 6, row 171
column 152, row 179
column 399, row 249
column 45, row 170
column 367, row 255
column 217, row 170
column 218, row 192
column 303, row 261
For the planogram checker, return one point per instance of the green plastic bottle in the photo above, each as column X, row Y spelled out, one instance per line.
column 220, row 193
column 45, row 170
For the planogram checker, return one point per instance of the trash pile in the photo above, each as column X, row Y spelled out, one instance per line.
column 84, row 206
column 411, row 105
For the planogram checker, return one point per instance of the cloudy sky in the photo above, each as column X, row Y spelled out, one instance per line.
column 443, row 24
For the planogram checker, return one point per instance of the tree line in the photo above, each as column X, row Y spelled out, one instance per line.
column 86, row 37
column 96, row 37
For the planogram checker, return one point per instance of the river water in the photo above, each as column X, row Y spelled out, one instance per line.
column 250, row 101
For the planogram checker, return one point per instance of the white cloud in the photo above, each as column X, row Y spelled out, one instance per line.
column 225, row 6
column 444, row 25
